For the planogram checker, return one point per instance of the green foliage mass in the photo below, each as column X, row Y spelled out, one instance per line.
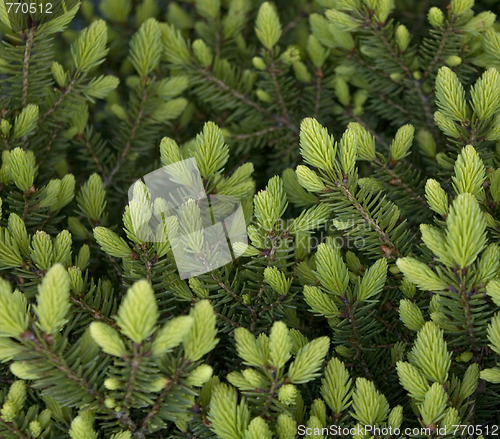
column 362, row 138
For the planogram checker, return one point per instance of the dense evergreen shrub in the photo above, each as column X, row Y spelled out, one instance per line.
column 362, row 139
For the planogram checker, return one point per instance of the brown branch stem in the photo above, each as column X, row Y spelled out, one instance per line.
column 130, row 140
column 96, row 314
column 157, row 405
column 395, row 253
column 26, row 63
column 247, row 101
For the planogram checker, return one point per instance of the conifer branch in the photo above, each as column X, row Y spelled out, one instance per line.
column 437, row 56
column 224, row 87
column 397, row 180
column 27, row 197
column 56, row 361
column 390, row 49
column 95, row 313
column 246, row 100
column 13, row 429
column 225, row 287
column 350, row 113
column 173, row 381
column 135, row 363
column 270, row 395
column 409, row 75
column 130, row 140
column 254, row 309
column 84, row 137
column 147, row 263
column 228, row 320
column 384, row 238
column 386, row 168
column 383, row 97
column 59, row 363
column 274, row 71
column 53, row 138
column 429, row 115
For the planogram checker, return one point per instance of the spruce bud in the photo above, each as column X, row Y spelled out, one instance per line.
column 14, row 401
column 453, row 60
column 119, row 111
column 434, row 404
column 402, row 142
column 436, row 197
column 435, row 17
column 287, row 394
column 341, row 20
column 111, row 243
column 112, row 384
column 35, row 429
column 138, row 312
column 202, row 53
column 59, row 74
column 396, row 76
column 76, row 227
column 263, row 95
column 316, row 51
column 411, row 315
column 286, row 427
column 301, row 72
column 451, row 418
column 395, row 418
column 480, row 22
column 75, row 279
column 309, row 180
column 290, row 55
column 5, row 127
column 107, row 338
column 24, row 370
column 53, row 300
column 446, row 124
column 200, row 375
column 26, row 122
column 342, row 90
column 81, row 428
column 277, row 280
column 268, row 26
column 458, row 7
column 465, row 357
